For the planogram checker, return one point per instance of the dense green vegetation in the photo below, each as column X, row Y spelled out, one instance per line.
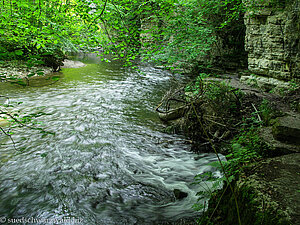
column 174, row 33
column 227, row 121
column 43, row 32
column 170, row 32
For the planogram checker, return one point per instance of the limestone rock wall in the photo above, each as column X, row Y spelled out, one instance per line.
column 273, row 38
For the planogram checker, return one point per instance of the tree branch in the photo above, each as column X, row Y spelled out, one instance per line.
column 99, row 15
column 7, row 134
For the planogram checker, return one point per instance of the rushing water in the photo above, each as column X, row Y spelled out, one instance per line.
column 109, row 161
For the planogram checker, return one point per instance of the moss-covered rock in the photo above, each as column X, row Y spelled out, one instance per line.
column 268, row 193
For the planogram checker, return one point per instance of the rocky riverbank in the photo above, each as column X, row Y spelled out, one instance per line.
column 267, row 189
column 20, row 69
column 262, row 145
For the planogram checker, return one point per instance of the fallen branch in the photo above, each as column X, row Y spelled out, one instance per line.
column 256, row 111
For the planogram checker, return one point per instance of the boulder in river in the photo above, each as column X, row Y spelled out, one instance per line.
column 179, row 194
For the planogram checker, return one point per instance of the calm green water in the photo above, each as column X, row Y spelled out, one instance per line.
column 109, row 162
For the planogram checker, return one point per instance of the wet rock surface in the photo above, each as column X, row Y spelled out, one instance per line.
column 72, row 64
column 272, row 38
column 179, row 194
column 22, row 71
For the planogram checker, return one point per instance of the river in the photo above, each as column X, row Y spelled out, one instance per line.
column 109, row 161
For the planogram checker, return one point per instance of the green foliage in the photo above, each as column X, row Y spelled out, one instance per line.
column 222, row 97
column 214, row 109
column 196, row 86
column 14, row 119
column 122, row 23
column 43, row 29
column 267, row 112
column 190, row 31
column 246, row 148
column 171, row 31
column 263, row 116
column 208, row 183
column 187, row 36
column 294, row 85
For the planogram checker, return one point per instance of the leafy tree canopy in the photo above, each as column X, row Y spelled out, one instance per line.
column 175, row 32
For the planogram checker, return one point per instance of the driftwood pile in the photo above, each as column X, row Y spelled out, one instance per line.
column 210, row 110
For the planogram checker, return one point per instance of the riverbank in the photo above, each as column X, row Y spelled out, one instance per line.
column 266, row 185
column 20, row 69
column 261, row 145
column 17, row 69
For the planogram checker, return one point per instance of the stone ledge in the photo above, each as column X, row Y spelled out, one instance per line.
column 265, row 83
column 279, row 180
column 287, row 129
column 267, row 193
column 276, row 147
